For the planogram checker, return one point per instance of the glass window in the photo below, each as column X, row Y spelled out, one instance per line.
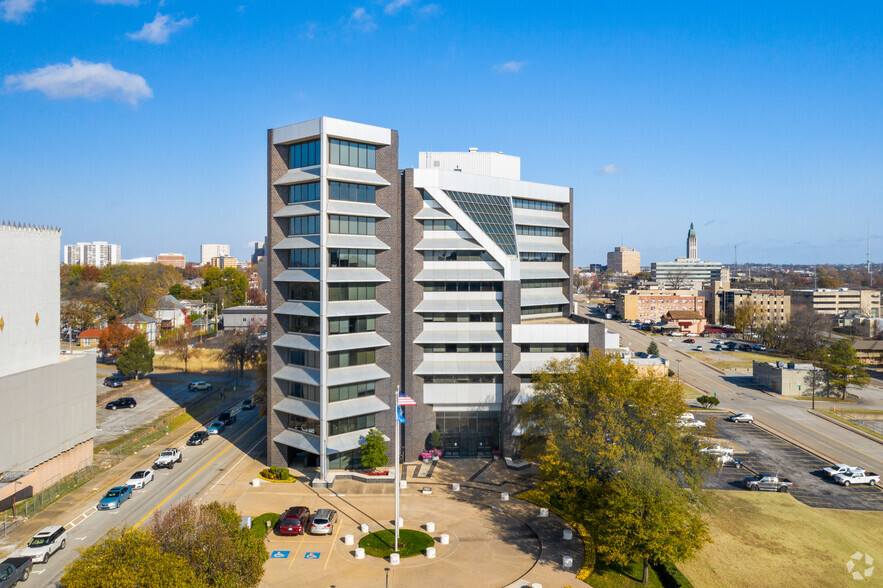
column 538, row 231
column 304, row 225
column 351, row 292
column 303, row 192
column 493, row 214
column 339, row 359
column 541, row 256
column 351, row 257
column 350, row 225
column 303, row 324
column 303, row 154
column 351, row 324
column 303, row 424
column 305, row 391
column 541, row 284
column 303, row 258
column 351, row 192
column 537, row 205
column 463, row 286
column 453, row 317
column 352, row 154
column 457, row 255
column 303, row 291
column 464, row 379
column 303, row 357
column 554, row 308
column 340, row 426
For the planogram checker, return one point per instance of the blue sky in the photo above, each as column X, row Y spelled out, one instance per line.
column 144, row 123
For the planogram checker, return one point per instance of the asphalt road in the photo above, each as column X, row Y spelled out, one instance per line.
column 199, row 469
column 787, row 417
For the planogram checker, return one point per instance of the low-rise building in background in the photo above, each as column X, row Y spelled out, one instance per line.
column 172, row 259
column 652, row 305
column 623, row 260
column 830, row 301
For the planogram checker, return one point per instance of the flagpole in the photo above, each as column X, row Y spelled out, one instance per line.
column 397, row 474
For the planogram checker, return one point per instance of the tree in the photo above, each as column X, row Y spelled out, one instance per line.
column 83, row 314
column 257, row 297
column 644, row 515
column 678, row 280
column 374, row 450
column 841, row 363
column 261, row 377
column 745, row 315
column 183, row 350
column 116, row 338
column 435, row 439
column 137, row 357
column 708, row 401
column 208, row 537
column 240, row 349
column 134, row 289
column 653, row 348
column 228, row 286
column 128, row 558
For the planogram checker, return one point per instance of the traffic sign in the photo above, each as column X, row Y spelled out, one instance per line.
column 312, row 555
column 279, row 554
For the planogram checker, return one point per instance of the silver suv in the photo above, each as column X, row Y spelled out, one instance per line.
column 323, row 522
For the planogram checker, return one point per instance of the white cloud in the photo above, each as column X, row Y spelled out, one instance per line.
column 610, row 169
column 430, row 10
column 362, row 21
column 15, row 10
column 159, row 30
column 119, row 2
column 395, row 5
column 510, row 66
column 82, row 79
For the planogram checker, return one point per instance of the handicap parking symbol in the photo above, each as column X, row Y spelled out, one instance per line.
column 312, row 555
column 279, row 554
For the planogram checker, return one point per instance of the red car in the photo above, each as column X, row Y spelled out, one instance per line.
column 294, row 521
column 689, row 340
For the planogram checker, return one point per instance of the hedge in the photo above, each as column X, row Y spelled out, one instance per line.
column 540, row 499
column 671, row 577
column 259, row 524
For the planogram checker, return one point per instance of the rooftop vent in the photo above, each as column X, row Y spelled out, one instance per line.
column 473, row 150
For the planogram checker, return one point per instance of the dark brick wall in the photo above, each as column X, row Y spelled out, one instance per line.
column 389, row 326
column 276, row 199
column 421, row 418
column 511, row 357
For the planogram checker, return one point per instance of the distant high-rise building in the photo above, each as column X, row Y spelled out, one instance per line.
column 692, row 245
column 173, row 259
column 259, row 251
column 208, row 251
column 623, row 260
column 97, row 253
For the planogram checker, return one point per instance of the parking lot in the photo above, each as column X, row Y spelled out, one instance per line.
column 764, row 452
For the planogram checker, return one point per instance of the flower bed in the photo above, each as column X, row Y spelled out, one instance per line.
column 383, row 473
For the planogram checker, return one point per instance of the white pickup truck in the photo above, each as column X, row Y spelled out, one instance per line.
column 167, row 458
column 840, row 468
column 861, row 477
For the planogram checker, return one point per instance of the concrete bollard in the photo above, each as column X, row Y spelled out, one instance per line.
column 256, row 482
column 403, row 484
column 430, row 552
column 394, row 559
column 567, row 561
column 568, row 534
column 544, row 513
column 360, row 553
column 455, row 487
column 348, row 540
column 430, row 527
column 536, row 585
column 364, row 527
column 504, row 496
column 444, row 539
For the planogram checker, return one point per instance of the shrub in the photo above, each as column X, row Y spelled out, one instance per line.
column 274, row 473
column 671, row 577
column 374, row 450
column 653, row 348
column 259, row 524
column 671, row 373
column 435, row 439
column 708, row 401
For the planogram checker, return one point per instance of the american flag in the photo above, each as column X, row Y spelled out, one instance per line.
column 405, row 400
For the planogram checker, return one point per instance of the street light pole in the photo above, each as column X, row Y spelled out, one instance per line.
column 679, row 370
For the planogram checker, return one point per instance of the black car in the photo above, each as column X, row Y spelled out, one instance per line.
column 121, row 403
column 248, row 404
column 198, row 438
column 227, row 417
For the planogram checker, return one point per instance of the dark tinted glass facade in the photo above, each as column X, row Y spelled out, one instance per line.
column 350, row 192
column 492, row 214
column 303, row 192
column 304, row 154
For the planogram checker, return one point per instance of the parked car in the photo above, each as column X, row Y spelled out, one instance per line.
column 44, row 544
column 14, row 570
column 248, row 404
column 849, row 478
column 140, row 479
column 840, row 468
column 115, row 497
column 692, row 424
column 742, row 417
column 769, row 483
column 717, row 348
column 715, row 341
column 686, row 416
column 689, row 340
column 198, row 438
column 125, row 402
column 113, row 382
column 200, row 387
column 717, row 450
column 744, row 347
column 323, row 522
column 227, row 417
column 294, row 521
column 759, row 347
column 168, row 458
column 215, row 428
column 698, row 348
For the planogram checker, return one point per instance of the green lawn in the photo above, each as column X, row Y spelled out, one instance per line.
column 618, row 577
column 726, row 360
column 411, row 543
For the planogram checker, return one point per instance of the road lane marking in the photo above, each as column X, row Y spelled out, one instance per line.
column 196, row 473
column 331, row 551
column 296, row 551
column 261, row 440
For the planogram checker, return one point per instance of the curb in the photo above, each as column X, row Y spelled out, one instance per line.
column 784, row 437
column 845, row 426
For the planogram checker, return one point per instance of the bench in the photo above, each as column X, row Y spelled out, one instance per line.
column 516, row 464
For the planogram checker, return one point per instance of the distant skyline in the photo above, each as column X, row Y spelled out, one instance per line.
column 144, row 122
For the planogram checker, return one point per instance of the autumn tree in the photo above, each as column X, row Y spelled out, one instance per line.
column 83, row 314
column 644, row 515
column 128, row 558
column 257, row 297
column 209, row 538
column 745, row 316
column 134, row 289
column 843, row 367
column 241, row 348
column 227, row 286
column 115, row 339
column 183, row 349
column 136, row 358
